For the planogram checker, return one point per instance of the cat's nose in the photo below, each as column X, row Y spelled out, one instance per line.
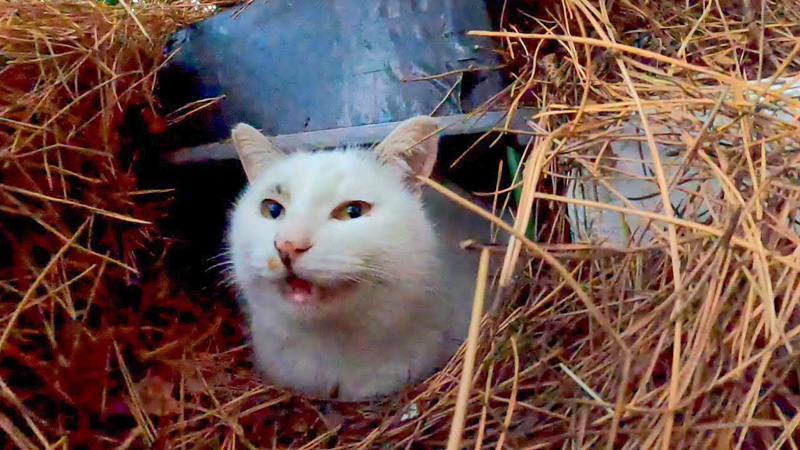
column 291, row 250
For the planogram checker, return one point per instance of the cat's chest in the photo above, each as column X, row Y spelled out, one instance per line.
column 399, row 326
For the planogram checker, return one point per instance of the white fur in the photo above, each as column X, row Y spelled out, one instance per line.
column 406, row 315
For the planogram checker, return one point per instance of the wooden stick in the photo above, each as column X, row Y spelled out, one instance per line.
column 460, row 415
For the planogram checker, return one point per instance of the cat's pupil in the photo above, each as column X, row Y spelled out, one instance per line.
column 271, row 208
column 350, row 210
column 353, row 211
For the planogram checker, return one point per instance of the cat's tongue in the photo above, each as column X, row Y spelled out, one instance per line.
column 300, row 290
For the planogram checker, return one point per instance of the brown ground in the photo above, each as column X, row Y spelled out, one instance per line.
column 688, row 343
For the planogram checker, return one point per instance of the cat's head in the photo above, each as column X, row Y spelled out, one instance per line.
column 318, row 231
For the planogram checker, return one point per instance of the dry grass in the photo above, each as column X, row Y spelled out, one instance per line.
column 687, row 340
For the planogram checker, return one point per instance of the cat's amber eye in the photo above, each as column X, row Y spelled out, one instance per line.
column 271, row 209
column 351, row 210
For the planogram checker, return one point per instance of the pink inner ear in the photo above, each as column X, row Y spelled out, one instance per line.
column 412, row 147
column 423, row 161
column 255, row 150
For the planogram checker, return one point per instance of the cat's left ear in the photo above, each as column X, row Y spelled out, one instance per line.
column 255, row 150
column 412, row 148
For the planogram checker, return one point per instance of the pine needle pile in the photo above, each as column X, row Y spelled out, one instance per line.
column 683, row 334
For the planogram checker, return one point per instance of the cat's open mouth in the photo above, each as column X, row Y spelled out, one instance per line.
column 305, row 292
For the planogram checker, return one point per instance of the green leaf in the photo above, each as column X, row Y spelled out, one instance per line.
column 513, row 164
column 514, row 158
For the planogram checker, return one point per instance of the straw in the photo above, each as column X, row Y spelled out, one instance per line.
column 680, row 330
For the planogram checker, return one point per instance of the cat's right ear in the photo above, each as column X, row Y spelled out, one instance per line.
column 412, row 148
column 255, row 150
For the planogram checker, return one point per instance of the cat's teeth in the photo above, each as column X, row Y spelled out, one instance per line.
column 300, row 290
column 301, row 297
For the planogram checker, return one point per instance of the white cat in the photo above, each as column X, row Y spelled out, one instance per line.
column 348, row 289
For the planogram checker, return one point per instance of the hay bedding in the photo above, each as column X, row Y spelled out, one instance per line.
column 688, row 341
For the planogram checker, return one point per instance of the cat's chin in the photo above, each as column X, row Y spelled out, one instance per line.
column 305, row 293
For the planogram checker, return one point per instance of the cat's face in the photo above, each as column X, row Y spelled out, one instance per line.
column 315, row 231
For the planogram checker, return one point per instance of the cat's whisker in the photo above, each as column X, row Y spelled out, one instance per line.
column 227, row 275
column 373, row 273
column 222, row 254
column 385, row 273
column 224, row 264
column 227, row 281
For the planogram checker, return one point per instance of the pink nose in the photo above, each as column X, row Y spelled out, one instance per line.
column 291, row 250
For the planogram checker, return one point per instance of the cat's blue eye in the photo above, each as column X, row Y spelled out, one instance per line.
column 351, row 210
column 271, row 209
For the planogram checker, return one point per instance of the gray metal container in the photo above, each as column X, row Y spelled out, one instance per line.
column 333, row 67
